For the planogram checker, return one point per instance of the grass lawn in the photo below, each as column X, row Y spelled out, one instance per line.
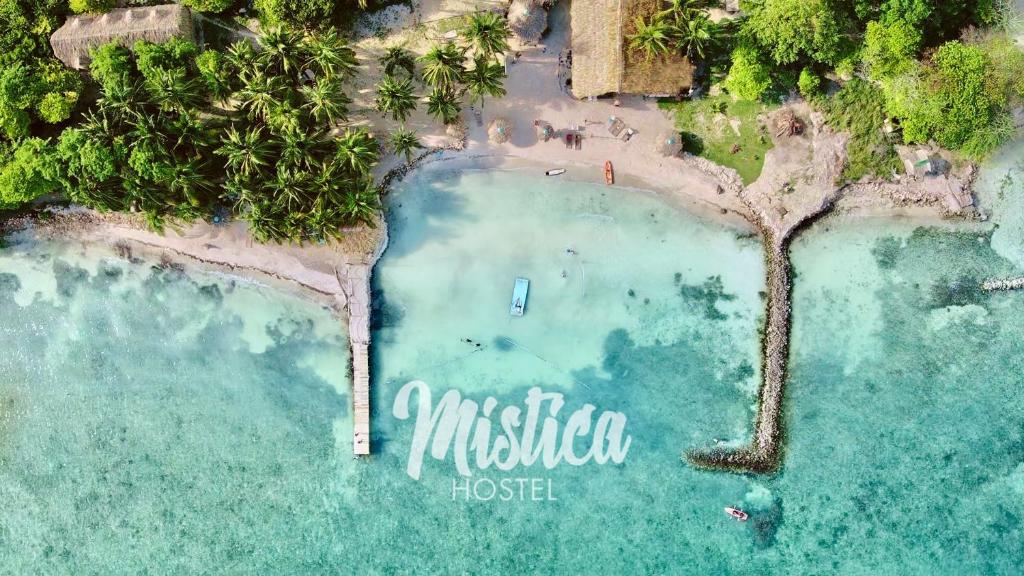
column 712, row 125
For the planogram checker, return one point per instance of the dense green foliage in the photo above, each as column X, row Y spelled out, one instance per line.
column 91, row 6
column 156, row 143
column 935, row 88
column 683, row 26
column 860, row 109
column 749, row 78
column 308, row 14
column 36, row 92
column 210, row 6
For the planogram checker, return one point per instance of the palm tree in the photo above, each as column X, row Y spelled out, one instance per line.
column 398, row 58
column 395, row 97
column 405, row 142
column 487, row 33
column 188, row 180
column 173, row 91
column 694, row 34
column 360, row 203
column 330, row 53
column 357, row 151
column 190, row 134
column 259, row 95
column 122, row 100
column 485, row 79
column 650, row 38
column 679, row 10
column 324, row 101
column 443, row 105
column 242, row 56
column 246, row 152
column 443, row 66
column 281, row 49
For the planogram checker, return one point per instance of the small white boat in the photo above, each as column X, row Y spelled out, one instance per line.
column 519, row 292
column 555, row 172
column 737, row 513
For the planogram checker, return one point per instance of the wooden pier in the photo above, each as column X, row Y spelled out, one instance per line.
column 356, row 286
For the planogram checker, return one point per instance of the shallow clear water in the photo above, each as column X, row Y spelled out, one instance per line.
column 150, row 420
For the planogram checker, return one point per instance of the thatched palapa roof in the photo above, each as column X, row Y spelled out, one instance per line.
column 528, row 20
column 500, row 130
column 72, row 41
column 602, row 62
column 668, row 143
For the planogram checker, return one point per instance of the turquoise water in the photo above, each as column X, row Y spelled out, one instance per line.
column 173, row 422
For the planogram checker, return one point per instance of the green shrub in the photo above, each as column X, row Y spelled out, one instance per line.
column 210, row 6
column 748, row 77
column 56, row 106
column 30, row 173
column 859, row 108
column 111, row 65
column 889, row 49
column 809, row 84
column 92, row 6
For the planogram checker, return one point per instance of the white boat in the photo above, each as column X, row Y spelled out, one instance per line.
column 519, row 292
column 736, row 513
column 555, row 172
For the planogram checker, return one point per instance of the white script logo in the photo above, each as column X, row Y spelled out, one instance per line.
column 469, row 426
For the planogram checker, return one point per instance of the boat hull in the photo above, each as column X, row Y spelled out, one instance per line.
column 519, row 293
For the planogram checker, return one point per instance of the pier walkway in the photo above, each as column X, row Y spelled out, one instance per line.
column 356, row 286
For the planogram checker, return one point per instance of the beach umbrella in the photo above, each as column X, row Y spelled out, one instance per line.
column 669, row 143
column 499, row 130
column 527, row 19
column 457, row 130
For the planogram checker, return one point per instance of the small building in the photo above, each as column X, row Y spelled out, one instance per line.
column 603, row 64
column 79, row 34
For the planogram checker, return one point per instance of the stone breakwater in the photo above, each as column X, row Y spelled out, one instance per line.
column 994, row 284
column 764, row 453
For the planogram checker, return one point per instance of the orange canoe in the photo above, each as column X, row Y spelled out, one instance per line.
column 609, row 175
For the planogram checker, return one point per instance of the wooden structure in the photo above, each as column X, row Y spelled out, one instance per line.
column 72, row 42
column 602, row 62
column 357, row 293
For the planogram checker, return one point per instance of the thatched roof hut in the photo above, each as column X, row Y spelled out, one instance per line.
column 668, row 143
column 528, row 20
column 72, row 41
column 499, row 130
column 602, row 62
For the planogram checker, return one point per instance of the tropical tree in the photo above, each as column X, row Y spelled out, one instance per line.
column 329, row 53
column 694, row 34
column 173, row 90
column 443, row 105
column 405, row 142
column 259, row 94
column 395, row 97
column 245, row 151
column 241, row 56
column 361, row 204
column 484, row 79
column 398, row 58
column 357, row 150
column 651, row 38
column 487, row 33
column 325, row 102
column 281, row 49
column 443, row 66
